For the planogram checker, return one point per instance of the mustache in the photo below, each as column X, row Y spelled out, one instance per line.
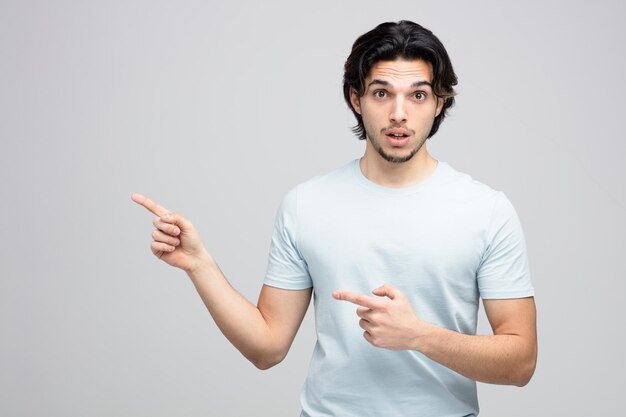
column 385, row 129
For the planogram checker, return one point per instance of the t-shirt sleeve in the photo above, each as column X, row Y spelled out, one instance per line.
column 503, row 271
column 286, row 268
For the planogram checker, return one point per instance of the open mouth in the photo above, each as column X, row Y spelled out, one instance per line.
column 397, row 137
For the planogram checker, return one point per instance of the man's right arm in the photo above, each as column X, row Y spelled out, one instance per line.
column 262, row 333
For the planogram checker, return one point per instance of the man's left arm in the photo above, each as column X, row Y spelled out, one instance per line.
column 507, row 357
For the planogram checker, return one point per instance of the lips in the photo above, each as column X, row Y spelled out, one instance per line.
column 397, row 137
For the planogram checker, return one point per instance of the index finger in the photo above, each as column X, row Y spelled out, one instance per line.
column 149, row 204
column 358, row 299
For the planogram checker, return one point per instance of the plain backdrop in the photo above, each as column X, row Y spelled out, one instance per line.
column 216, row 109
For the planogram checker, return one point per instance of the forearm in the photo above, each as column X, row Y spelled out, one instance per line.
column 264, row 342
column 507, row 359
column 239, row 320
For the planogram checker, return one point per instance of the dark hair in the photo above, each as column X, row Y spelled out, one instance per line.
column 389, row 41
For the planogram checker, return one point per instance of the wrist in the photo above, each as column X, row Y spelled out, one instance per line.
column 200, row 265
column 423, row 336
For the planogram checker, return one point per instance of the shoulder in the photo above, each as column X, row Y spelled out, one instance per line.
column 497, row 209
column 326, row 183
column 463, row 188
column 465, row 183
column 333, row 178
column 319, row 188
column 481, row 201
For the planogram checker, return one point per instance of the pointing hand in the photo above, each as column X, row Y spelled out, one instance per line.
column 175, row 240
column 389, row 320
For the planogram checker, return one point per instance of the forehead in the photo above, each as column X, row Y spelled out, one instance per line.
column 401, row 70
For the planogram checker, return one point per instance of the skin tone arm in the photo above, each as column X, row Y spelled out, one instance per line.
column 507, row 357
column 262, row 333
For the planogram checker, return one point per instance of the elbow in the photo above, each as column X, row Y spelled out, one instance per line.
column 267, row 361
column 522, row 381
column 526, row 372
column 264, row 365
column 524, row 377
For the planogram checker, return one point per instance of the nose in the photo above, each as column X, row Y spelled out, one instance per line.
column 398, row 110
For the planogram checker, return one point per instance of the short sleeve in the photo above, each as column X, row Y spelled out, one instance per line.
column 286, row 267
column 503, row 271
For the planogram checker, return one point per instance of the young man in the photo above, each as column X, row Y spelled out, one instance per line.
column 425, row 240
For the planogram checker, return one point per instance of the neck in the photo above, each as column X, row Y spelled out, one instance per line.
column 397, row 175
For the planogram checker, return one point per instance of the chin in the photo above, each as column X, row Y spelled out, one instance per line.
column 397, row 159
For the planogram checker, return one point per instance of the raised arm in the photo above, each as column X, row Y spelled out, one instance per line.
column 262, row 333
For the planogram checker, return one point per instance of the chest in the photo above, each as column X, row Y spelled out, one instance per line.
column 401, row 240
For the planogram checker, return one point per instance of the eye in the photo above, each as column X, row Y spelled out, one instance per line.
column 420, row 95
column 380, row 94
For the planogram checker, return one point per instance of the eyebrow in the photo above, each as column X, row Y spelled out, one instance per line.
column 387, row 83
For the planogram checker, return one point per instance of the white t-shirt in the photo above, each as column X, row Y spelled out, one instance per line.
column 444, row 243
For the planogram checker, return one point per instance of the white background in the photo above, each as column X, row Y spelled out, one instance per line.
column 216, row 109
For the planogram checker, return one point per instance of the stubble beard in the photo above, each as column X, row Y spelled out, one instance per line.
column 392, row 158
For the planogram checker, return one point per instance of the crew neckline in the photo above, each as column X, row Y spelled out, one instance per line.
column 371, row 185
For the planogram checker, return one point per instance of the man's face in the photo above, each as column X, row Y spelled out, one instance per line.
column 398, row 107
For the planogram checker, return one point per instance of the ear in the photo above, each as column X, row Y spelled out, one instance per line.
column 355, row 100
column 440, row 103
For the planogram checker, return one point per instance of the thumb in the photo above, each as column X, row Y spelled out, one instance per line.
column 386, row 290
column 178, row 220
